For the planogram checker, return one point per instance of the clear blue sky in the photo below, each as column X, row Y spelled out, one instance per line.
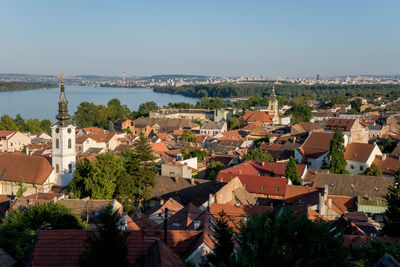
column 272, row 38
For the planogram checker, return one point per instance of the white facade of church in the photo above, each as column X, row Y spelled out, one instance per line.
column 63, row 143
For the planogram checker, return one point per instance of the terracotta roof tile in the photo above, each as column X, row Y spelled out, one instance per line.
column 159, row 147
column 317, row 144
column 389, row 166
column 253, row 116
column 32, row 169
column 63, row 247
column 341, row 124
column 358, row 152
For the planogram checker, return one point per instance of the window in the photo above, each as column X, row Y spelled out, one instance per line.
column 69, row 130
column 57, row 143
column 262, row 187
column 70, row 167
column 245, row 186
column 79, row 148
column 352, row 167
column 361, row 168
column 57, row 168
column 69, row 143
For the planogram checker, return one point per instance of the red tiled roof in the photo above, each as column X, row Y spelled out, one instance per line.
column 45, row 196
column 342, row 204
column 317, row 144
column 63, row 247
column 256, row 167
column 31, row 169
column 236, row 214
column 341, row 124
column 6, row 133
column 358, row 152
column 253, row 116
column 389, row 166
column 271, row 186
column 294, row 192
column 159, row 147
column 314, row 216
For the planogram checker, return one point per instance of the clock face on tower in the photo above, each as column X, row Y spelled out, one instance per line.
column 69, row 130
column 57, row 130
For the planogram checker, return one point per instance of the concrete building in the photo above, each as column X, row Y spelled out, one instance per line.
column 11, row 141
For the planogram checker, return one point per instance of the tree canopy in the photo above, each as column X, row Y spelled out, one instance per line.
column 188, row 136
column 257, row 155
column 19, row 227
column 292, row 172
column 213, row 170
column 107, row 247
column 337, row 162
column 373, row 170
column 392, row 223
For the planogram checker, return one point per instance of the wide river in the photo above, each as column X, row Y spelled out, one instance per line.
column 42, row 103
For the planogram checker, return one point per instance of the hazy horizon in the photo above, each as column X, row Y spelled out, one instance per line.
column 212, row 38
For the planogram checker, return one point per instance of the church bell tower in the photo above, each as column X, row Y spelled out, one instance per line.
column 63, row 147
column 273, row 109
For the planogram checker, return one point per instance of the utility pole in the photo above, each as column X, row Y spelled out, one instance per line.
column 166, row 226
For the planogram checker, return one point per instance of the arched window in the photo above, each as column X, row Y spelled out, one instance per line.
column 57, row 168
column 69, row 143
column 57, row 143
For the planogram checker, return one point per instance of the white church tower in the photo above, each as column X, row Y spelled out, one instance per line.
column 63, row 135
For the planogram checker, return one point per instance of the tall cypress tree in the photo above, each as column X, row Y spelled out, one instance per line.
column 337, row 162
column 222, row 255
column 392, row 224
column 108, row 247
column 292, row 172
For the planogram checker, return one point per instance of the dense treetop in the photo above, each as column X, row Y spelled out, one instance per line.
column 21, row 86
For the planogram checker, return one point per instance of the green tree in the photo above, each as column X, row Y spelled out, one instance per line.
column 139, row 163
column 145, row 108
column 356, row 104
column 299, row 113
column 222, row 255
column 213, row 170
column 117, row 111
column 179, row 105
column 88, row 115
column 368, row 255
column 107, row 247
column 373, row 170
column 337, row 162
column 257, row 155
column 292, row 172
column 188, row 136
column 258, row 142
column 97, row 179
column 273, row 239
column 33, row 125
column 234, row 123
column 21, row 189
column 19, row 227
column 211, row 103
column 392, row 223
column 7, row 123
column 387, row 145
column 45, row 125
column 20, row 123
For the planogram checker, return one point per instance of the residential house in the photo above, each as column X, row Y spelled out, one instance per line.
column 261, row 168
column 213, row 128
column 353, row 185
column 123, row 124
column 314, row 151
column 176, row 169
column 360, row 156
column 11, row 141
column 352, row 128
column 388, row 164
column 104, row 139
column 377, row 131
column 156, row 125
column 304, row 127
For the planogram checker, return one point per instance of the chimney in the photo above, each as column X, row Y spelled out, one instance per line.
column 176, row 179
column 239, row 171
column 383, row 156
column 330, row 203
column 262, row 163
column 210, row 200
column 192, row 181
column 161, row 201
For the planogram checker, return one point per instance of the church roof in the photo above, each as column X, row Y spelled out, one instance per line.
column 31, row 169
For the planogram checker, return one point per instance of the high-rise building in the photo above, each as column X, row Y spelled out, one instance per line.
column 63, row 135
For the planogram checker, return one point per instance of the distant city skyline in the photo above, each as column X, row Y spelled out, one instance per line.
column 216, row 38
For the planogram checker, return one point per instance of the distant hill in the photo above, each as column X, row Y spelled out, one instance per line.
column 21, row 86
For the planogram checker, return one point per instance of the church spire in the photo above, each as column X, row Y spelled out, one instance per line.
column 62, row 101
column 273, row 95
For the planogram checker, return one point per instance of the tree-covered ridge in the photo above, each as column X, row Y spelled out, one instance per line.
column 319, row 91
column 21, row 86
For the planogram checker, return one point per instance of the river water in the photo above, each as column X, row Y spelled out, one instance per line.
column 42, row 103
